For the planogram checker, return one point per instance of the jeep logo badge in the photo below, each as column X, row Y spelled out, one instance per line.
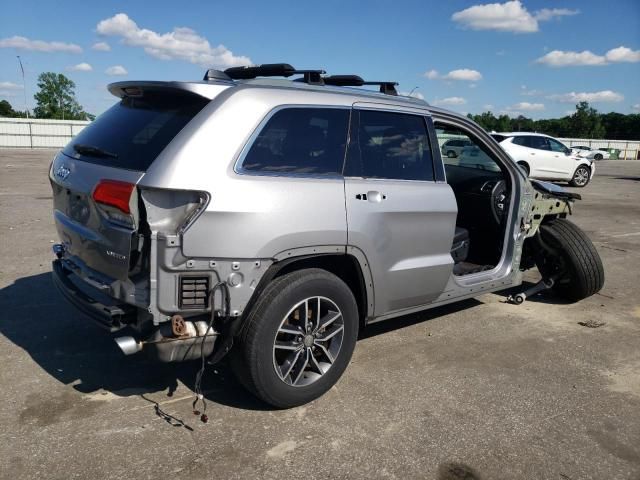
column 62, row 172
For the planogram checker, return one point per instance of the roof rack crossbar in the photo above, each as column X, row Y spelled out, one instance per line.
column 213, row 74
column 273, row 70
column 388, row 88
column 344, row 80
column 312, row 77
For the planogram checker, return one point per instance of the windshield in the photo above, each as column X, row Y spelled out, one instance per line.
column 134, row 131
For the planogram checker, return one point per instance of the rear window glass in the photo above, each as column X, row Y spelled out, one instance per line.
column 498, row 138
column 134, row 131
column 301, row 141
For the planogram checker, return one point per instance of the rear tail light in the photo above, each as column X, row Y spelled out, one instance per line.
column 114, row 193
column 113, row 198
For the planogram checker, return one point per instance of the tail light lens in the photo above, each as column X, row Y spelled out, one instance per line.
column 114, row 193
column 113, row 197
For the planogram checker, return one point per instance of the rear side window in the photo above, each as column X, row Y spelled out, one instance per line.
column 522, row 140
column 389, row 145
column 134, row 131
column 540, row 143
column 301, row 141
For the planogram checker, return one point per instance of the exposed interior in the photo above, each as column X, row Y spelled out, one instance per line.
column 482, row 188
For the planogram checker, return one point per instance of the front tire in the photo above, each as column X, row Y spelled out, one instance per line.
column 575, row 259
column 598, row 157
column 451, row 154
column 581, row 177
column 298, row 339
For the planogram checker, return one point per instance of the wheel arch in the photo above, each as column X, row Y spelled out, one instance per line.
column 351, row 267
column 525, row 164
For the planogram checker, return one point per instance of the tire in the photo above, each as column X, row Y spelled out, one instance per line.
column 581, row 177
column 451, row 154
column 583, row 271
column 259, row 365
column 524, row 166
column 598, row 156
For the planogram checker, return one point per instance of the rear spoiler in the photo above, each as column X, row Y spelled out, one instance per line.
column 208, row 90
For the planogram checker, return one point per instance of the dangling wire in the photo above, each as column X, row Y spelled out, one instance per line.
column 224, row 314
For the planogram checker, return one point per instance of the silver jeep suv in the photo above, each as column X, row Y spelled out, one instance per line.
column 274, row 219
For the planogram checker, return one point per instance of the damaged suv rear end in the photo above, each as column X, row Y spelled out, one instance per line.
column 107, row 219
column 281, row 216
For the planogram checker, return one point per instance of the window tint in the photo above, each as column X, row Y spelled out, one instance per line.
column 521, row 140
column 301, row 140
column 137, row 129
column 389, row 145
column 498, row 138
column 473, row 155
column 556, row 146
column 540, row 143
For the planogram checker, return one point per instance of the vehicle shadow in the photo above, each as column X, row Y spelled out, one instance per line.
column 76, row 352
column 456, row 471
column 414, row 318
column 546, row 296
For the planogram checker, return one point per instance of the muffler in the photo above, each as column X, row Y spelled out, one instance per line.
column 128, row 345
column 175, row 342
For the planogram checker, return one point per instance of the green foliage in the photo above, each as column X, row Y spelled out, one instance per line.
column 56, row 98
column 586, row 122
column 6, row 110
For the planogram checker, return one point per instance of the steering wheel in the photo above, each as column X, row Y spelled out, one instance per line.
column 499, row 201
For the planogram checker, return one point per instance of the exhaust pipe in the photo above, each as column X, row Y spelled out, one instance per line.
column 128, row 345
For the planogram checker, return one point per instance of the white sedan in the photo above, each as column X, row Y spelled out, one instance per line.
column 591, row 153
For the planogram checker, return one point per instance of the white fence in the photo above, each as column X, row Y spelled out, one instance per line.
column 35, row 133
column 621, row 149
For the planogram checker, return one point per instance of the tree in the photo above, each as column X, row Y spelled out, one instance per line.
column 6, row 110
column 56, row 98
column 586, row 122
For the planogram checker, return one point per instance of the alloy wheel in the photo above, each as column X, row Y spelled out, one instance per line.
column 308, row 341
column 581, row 176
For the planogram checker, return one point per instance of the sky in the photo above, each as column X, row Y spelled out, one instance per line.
column 536, row 58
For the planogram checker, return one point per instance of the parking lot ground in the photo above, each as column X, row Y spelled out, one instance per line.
column 477, row 390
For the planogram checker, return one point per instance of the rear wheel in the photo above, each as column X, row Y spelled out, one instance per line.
column 569, row 255
column 451, row 154
column 598, row 156
column 581, row 176
column 298, row 339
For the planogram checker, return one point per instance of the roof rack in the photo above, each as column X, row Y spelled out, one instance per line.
column 312, row 77
column 388, row 88
column 273, row 70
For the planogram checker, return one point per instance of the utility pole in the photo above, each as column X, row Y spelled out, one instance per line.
column 24, row 87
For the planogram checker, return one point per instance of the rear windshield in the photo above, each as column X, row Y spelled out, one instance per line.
column 134, row 131
column 498, row 138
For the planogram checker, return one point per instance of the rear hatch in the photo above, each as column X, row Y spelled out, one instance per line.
column 96, row 205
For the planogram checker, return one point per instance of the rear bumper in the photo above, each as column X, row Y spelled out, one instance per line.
column 105, row 311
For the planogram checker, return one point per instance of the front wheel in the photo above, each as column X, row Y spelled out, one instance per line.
column 451, row 154
column 581, row 177
column 298, row 339
column 570, row 257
